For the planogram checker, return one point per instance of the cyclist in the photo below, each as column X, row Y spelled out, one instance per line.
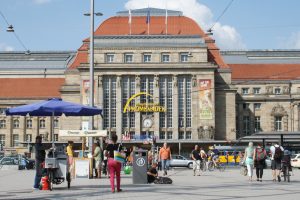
column 214, row 155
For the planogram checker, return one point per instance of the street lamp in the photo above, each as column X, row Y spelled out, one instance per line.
column 91, row 87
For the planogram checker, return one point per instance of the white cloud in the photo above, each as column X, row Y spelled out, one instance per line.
column 292, row 42
column 4, row 47
column 226, row 36
column 41, row 1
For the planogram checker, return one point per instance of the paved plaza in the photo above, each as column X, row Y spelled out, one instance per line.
column 211, row 185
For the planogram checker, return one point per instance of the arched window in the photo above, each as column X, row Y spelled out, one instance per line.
column 2, row 123
column 16, row 123
column 29, row 123
column 42, row 123
column 55, row 123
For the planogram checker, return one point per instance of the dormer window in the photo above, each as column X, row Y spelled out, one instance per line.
column 110, row 58
column 277, row 91
column 128, row 58
column 147, row 57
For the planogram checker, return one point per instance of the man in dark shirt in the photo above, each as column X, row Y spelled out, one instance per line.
column 197, row 160
column 152, row 173
column 39, row 159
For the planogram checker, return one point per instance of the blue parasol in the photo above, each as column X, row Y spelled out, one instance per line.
column 54, row 107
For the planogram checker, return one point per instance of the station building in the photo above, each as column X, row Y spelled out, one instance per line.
column 155, row 79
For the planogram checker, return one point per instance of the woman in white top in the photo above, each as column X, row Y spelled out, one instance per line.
column 248, row 159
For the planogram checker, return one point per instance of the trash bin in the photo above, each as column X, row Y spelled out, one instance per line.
column 139, row 167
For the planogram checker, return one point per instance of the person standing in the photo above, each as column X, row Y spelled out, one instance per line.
column 203, row 155
column 114, row 167
column 40, row 155
column 248, row 159
column 276, row 157
column 98, row 159
column 70, row 153
column 196, row 160
column 259, row 158
column 165, row 157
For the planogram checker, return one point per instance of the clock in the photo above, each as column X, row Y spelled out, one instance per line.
column 147, row 122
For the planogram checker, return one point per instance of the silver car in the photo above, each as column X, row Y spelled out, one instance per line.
column 181, row 161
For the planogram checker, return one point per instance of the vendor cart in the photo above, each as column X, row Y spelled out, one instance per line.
column 57, row 167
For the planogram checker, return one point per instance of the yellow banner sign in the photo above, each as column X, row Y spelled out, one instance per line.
column 143, row 107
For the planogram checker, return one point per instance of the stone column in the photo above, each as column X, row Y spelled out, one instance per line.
column 119, row 107
column 138, row 129
column 156, row 100
column 175, row 108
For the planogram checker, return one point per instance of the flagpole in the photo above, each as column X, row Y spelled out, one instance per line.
column 129, row 21
column 166, row 22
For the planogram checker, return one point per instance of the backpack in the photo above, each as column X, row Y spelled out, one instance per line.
column 163, row 180
column 260, row 154
column 278, row 153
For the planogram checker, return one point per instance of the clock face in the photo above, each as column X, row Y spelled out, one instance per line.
column 147, row 122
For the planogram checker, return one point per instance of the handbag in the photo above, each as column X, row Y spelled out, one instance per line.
column 119, row 156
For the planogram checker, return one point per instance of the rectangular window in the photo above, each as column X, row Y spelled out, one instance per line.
column 110, row 58
column 15, row 140
column 16, row 123
column 165, row 58
column 184, row 57
column 188, row 135
column 29, row 123
column 55, row 123
column 2, row 123
column 184, row 102
column 277, row 91
column 2, row 140
column 109, row 102
column 147, row 57
column 257, row 106
column 166, row 100
column 245, row 91
column 246, row 125
column 278, row 123
column 2, row 111
column 162, row 135
column 147, row 86
column 169, row 135
column 132, row 135
column 128, row 58
column 128, row 90
column 181, row 135
column 28, row 138
column 55, row 137
column 42, row 124
column 256, row 90
column 245, row 106
column 257, row 124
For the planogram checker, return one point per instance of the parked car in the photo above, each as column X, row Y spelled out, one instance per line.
column 14, row 160
column 295, row 160
column 181, row 161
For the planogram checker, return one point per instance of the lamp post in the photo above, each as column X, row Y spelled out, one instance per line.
column 91, row 85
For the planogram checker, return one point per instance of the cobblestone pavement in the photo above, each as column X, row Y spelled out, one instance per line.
column 210, row 185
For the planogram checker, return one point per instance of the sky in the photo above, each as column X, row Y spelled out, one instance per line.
column 58, row 25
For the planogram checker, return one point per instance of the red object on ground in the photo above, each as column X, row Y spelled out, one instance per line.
column 45, row 183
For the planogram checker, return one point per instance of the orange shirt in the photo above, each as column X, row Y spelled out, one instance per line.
column 165, row 154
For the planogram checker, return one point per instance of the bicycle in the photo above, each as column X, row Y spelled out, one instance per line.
column 220, row 166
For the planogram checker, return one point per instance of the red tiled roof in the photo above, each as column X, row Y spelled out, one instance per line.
column 177, row 25
column 265, row 71
column 30, row 87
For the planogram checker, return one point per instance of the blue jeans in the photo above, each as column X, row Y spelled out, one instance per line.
column 165, row 165
column 38, row 174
